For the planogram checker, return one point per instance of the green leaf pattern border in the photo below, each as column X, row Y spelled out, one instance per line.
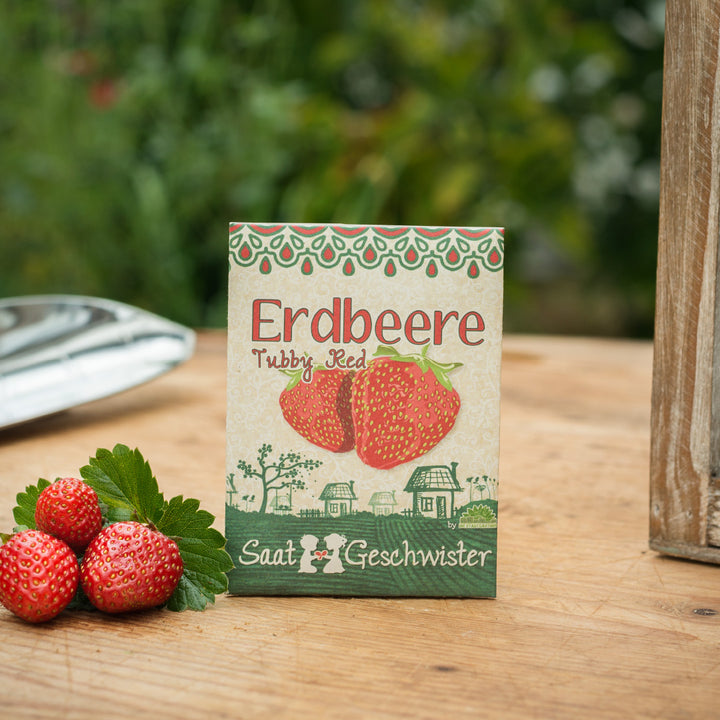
column 370, row 247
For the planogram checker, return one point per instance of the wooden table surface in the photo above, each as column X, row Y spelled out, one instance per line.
column 588, row 622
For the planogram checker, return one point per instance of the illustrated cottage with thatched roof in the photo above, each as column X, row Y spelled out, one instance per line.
column 382, row 503
column 338, row 498
column 433, row 488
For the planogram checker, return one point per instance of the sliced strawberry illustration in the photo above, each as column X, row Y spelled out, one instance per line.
column 402, row 407
column 320, row 410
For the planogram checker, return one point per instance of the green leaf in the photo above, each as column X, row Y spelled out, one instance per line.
column 125, row 483
column 204, row 575
column 386, row 351
column 183, row 518
column 202, row 550
column 24, row 511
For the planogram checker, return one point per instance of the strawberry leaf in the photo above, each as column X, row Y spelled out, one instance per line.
column 204, row 575
column 202, row 550
column 184, row 518
column 24, row 511
column 125, row 483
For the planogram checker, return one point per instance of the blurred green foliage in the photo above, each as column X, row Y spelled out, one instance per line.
column 132, row 132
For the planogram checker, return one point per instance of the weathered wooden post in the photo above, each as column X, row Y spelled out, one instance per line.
column 685, row 448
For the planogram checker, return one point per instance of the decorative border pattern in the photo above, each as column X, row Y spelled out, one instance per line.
column 369, row 247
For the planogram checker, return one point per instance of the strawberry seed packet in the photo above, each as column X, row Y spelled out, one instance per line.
column 363, row 409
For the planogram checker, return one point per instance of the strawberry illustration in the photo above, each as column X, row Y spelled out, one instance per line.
column 69, row 510
column 129, row 566
column 38, row 575
column 320, row 410
column 402, row 407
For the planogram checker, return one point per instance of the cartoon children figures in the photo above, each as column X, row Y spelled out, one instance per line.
column 333, row 544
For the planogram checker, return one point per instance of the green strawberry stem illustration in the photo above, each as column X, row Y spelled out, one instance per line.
column 439, row 370
column 296, row 374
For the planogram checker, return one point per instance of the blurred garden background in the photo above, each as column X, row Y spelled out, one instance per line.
column 132, row 132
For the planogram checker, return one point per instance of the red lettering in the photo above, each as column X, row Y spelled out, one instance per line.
column 440, row 321
column 335, row 321
column 341, row 324
column 381, row 326
column 290, row 318
column 471, row 322
column 258, row 320
column 411, row 327
column 349, row 320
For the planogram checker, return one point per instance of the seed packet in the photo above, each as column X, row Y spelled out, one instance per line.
column 363, row 409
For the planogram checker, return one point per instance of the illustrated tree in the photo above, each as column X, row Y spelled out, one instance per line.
column 482, row 484
column 286, row 472
column 491, row 484
column 475, row 483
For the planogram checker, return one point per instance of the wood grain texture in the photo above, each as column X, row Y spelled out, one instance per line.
column 588, row 622
column 685, row 409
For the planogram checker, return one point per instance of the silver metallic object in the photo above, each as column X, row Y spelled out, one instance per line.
column 58, row 351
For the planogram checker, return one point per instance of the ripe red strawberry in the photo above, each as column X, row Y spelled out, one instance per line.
column 402, row 406
column 320, row 410
column 69, row 510
column 129, row 566
column 38, row 575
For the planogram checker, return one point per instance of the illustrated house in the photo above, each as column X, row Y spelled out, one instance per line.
column 383, row 503
column 433, row 488
column 338, row 498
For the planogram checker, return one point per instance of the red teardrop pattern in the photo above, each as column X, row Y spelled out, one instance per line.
column 452, row 260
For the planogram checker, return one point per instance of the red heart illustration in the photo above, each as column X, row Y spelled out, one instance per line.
column 320, row 554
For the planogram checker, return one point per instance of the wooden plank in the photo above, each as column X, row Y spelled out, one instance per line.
column 686, row 399
column 713, row 526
